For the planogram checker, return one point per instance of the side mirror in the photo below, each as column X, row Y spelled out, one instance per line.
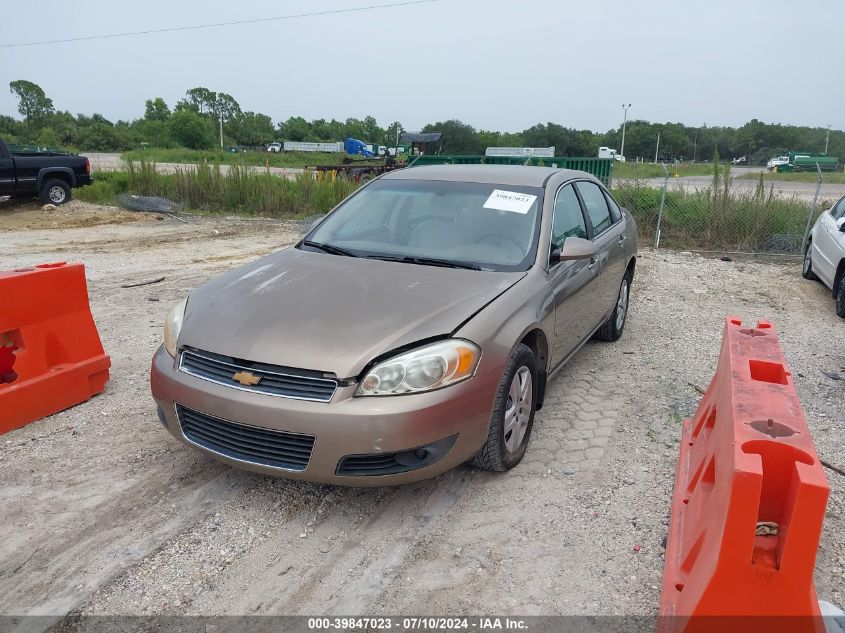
column 575, row 248
column 841, row 224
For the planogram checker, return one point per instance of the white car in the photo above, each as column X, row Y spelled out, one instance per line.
column 274, row 147
column 824, row 255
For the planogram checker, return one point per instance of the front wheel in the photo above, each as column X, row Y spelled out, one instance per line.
column 840, row 297
column 614, row 326
column 513, row 414
column 807, row 268
column 54, row 191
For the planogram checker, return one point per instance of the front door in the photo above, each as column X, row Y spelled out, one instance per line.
column 825, row 248
column 573, row 283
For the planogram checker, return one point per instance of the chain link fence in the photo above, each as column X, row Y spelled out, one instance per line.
column 741, row 212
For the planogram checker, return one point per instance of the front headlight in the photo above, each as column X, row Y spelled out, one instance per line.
column 173, row 325
column 429, row 367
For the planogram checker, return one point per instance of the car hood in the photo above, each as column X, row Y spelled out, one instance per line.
column 331, row 313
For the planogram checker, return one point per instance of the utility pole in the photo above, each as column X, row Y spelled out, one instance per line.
column 827, row 140
column 694, row 145
column 624, row 121
column 657, row 148
column 221, row 128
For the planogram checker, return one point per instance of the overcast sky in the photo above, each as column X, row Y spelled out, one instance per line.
column 497, row 64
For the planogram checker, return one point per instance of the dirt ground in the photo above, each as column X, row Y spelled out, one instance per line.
column 103, row 512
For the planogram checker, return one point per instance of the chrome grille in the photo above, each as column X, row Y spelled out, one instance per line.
column 279, row 449
column 273, row 380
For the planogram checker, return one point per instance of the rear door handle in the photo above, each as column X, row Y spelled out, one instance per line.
column 622, row 238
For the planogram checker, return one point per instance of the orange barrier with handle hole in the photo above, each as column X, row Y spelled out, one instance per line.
column 749, row 501
column 51, row 357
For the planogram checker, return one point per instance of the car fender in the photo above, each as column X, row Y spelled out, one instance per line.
column 47, row 172
column 500, row 326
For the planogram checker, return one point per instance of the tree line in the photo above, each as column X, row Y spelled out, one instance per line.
column 195, row 122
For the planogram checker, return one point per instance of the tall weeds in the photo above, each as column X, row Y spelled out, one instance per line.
column 237, row 189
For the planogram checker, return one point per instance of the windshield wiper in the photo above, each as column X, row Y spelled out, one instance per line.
column 425, row 261
column 329, row 248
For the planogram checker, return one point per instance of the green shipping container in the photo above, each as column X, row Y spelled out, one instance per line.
column 601, row 168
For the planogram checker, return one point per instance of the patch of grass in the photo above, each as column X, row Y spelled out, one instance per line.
column 633, row 171
column 106, row 187
column 717, row 218
column 828, row 177
column 219, row 157
column 238, row 191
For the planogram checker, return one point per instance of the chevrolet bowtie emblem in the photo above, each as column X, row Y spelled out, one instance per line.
column 246, row 378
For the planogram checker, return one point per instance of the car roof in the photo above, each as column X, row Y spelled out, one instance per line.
column 518, row 175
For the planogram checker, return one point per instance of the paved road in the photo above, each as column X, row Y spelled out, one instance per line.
column 783, row 188
column 113, row 162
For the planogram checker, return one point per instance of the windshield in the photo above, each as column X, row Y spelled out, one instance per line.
column 487, row 226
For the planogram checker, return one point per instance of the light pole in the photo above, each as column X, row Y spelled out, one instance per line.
column 694, row 145
column 657, row 147
column 624, row 121
column 827, row 140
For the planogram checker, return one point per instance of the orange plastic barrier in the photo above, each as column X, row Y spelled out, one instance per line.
column 50, row 350
column 749, row 500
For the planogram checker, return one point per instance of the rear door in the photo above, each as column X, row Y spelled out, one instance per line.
column 573, row 283
column 608, row 233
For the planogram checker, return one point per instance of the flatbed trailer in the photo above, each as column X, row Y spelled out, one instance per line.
column 358, row 170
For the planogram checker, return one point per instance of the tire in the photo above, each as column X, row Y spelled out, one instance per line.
column 503, row 450
column 615, row 325
column 840, row 296
column 807, row 266
column 54, row 191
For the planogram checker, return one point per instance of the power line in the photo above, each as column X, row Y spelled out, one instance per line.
column 221, row 24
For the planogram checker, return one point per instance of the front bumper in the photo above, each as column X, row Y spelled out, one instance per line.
column 346, row 426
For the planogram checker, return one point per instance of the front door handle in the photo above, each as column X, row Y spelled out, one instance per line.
column 593, row 262
column 622, row 238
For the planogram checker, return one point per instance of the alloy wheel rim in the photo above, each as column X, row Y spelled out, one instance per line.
column 57, row 194
column 518, row 409
column 622, row 305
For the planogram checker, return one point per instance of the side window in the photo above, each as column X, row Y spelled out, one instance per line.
column 839, row 210
column 596, row 206
column 615, row 211
column 569, row 220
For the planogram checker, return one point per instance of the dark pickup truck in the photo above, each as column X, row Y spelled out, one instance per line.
column 49, row 175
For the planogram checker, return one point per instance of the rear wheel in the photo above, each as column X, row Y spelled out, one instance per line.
column 615, row 325
column 54, row 191
column 807, row 268
column 513, row 414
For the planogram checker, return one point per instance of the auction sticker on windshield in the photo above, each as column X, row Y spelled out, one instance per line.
column 510, row 201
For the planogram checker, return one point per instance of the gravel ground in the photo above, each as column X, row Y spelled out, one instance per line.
column 104, row 513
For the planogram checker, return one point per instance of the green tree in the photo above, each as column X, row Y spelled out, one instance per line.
column 200, row 100
column 295, row 128
column 191, row 130
column 458, row 137
column 156, row 110
column 250, row 128
column 33, row 104
column 48, row 137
